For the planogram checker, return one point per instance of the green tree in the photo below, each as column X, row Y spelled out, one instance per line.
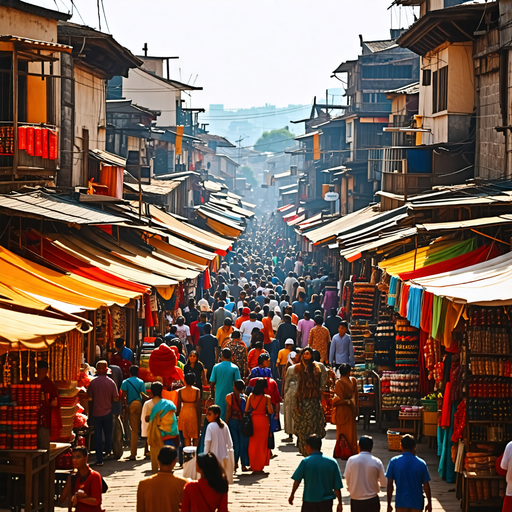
column 275, row 140
column 248, row 173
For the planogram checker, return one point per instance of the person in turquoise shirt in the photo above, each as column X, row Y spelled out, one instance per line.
column 322, row 479
column 223, row 377
column 133, row 392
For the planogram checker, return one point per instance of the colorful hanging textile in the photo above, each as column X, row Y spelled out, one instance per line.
column 483, row 253
column 414, row 305
column 426, row 312
column 402, row 311
column 392, row 291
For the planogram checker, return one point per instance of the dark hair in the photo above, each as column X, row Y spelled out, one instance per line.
column 259, row 387
column 344, row 323
column 252, row 315
column 287, row 318
column 317, row 356
column 318, row 320
column 307, row 315
column 213, row 472
column 344, row 369
column 119, row 342
column 180, row 320
column 134, row 370
column 366, row 443
column 167, row 455
column 226, row 353
column 157, row 388
column 207, row 328
column 190, row 379
column 302, row 295
column 263, row 357
column 314, row 442
column 82, row 449
column 258, row 344
column 408, row 442
column 239, row 385
column 228, row 321
column 235, row 335
column 217, row 411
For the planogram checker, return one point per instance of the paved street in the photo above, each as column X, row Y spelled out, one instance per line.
column 261, row 492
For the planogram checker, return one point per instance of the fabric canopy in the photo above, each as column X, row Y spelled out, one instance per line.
column 31, row 331
column 484, row 253
column 440, row 250
column 484, row 284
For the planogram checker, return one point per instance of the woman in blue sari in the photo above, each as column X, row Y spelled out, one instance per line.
column 235, row 408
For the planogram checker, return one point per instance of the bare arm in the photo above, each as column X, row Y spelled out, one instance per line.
column 178, row 407
column 228, row 408
column 428, row 494
column 294, row 490
column 338, row 496
column 390, row 494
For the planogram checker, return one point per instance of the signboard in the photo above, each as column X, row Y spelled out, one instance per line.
column 331, row 196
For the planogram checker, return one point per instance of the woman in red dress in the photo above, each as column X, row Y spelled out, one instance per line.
column 259, row 452
column 210, row 492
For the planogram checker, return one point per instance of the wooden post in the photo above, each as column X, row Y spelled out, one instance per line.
column 85, row 149
column 92, row 341
column 415, row 250
column 15, row 112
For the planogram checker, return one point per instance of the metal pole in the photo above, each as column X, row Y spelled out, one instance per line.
column 140, row 178
column 15, row 112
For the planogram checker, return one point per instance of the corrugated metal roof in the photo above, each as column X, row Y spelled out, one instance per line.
column 306, row 135
column 108, row 158
column 157, row 187
column 466, row 224
column 58, row 208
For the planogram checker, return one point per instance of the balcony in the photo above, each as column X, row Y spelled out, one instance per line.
column 368, row 107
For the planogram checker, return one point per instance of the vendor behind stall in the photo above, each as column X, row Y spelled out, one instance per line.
column 49, row 404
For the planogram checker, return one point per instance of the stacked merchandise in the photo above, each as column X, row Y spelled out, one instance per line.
column 362, row 301
column 360, row 334
column 384, row 358
column 69, row 408
column 407, row 344
column 490, row 487
column 400, row 388
column 19, row 404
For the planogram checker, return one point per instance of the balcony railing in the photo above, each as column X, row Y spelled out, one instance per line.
column 368, row 107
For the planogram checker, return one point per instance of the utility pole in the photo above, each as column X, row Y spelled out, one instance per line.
column 145, row 48
column 240, row 139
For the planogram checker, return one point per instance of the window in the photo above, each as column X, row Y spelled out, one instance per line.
column 374, row 97
column 440, row 90
column 427, row 77
column 387, row 71
column 349, row 130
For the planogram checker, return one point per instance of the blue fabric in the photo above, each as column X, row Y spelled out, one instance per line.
column 392, row 291
column 409, row 473
column 127, row 354
column 446, row 468
column 230, row 307
column 260, row 299
column 279, row 289
column 258, row 372
column 275, row 280
column 414, row 305
column 321, row 477
column 103, row 425
column 165, row 407
column 342, row 350
column 299, row 308
column 240, row 442
column 133, row 387
column 224, row 375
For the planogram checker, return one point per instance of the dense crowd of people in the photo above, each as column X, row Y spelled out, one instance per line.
column 266, row 338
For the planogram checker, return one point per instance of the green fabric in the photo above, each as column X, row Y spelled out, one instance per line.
column 452, row 252
column 437, row 303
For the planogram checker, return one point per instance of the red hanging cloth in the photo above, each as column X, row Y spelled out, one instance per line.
column 148, row 315
column 207, row 283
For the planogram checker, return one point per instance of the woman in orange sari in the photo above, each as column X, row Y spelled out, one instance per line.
column 346, row 402
column 259, row 452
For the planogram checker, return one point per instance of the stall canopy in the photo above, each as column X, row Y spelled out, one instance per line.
column 440, row 250
column 484, row 284
column 32, row 331
column 220, row 224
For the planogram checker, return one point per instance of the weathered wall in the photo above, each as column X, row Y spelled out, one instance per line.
column 20, row 23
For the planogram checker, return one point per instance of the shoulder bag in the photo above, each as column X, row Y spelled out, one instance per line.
column 246, row 426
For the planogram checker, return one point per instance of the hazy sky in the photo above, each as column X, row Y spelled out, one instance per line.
column 246, row 52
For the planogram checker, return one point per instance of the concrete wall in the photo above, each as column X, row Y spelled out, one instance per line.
column 90, row 114
column 20, row 23
column 150, row 92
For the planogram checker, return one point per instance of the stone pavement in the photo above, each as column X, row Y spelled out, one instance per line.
column 270, row 490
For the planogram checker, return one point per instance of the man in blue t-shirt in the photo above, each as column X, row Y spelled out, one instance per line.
column 322, row 479
column 134, row 391
column 412, row 478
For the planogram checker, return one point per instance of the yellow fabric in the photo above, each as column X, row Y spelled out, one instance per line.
column 85, row 287
column 175, row 251
column 222, row 228
column 166, row 291
column 316, row 147
column 10, row 295
column 179, row 140
column 15, row 277
column 453, row 314
column 405, row 262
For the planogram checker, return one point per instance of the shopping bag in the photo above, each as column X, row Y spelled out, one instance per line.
column 342, row 450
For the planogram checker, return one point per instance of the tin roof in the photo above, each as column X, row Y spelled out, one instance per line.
column 52, row 207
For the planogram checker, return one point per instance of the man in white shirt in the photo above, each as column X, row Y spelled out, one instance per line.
column 506, row 464
column 288, row 284
column 365, row 476
column 242, row 281
column 247, row 327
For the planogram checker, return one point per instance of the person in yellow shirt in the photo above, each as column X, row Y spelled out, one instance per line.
column 224, row 333
column 282, row 357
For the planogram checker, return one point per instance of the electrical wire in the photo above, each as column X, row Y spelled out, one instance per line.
column 105, row 16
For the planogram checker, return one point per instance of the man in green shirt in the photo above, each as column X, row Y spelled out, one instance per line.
column 322, row 479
